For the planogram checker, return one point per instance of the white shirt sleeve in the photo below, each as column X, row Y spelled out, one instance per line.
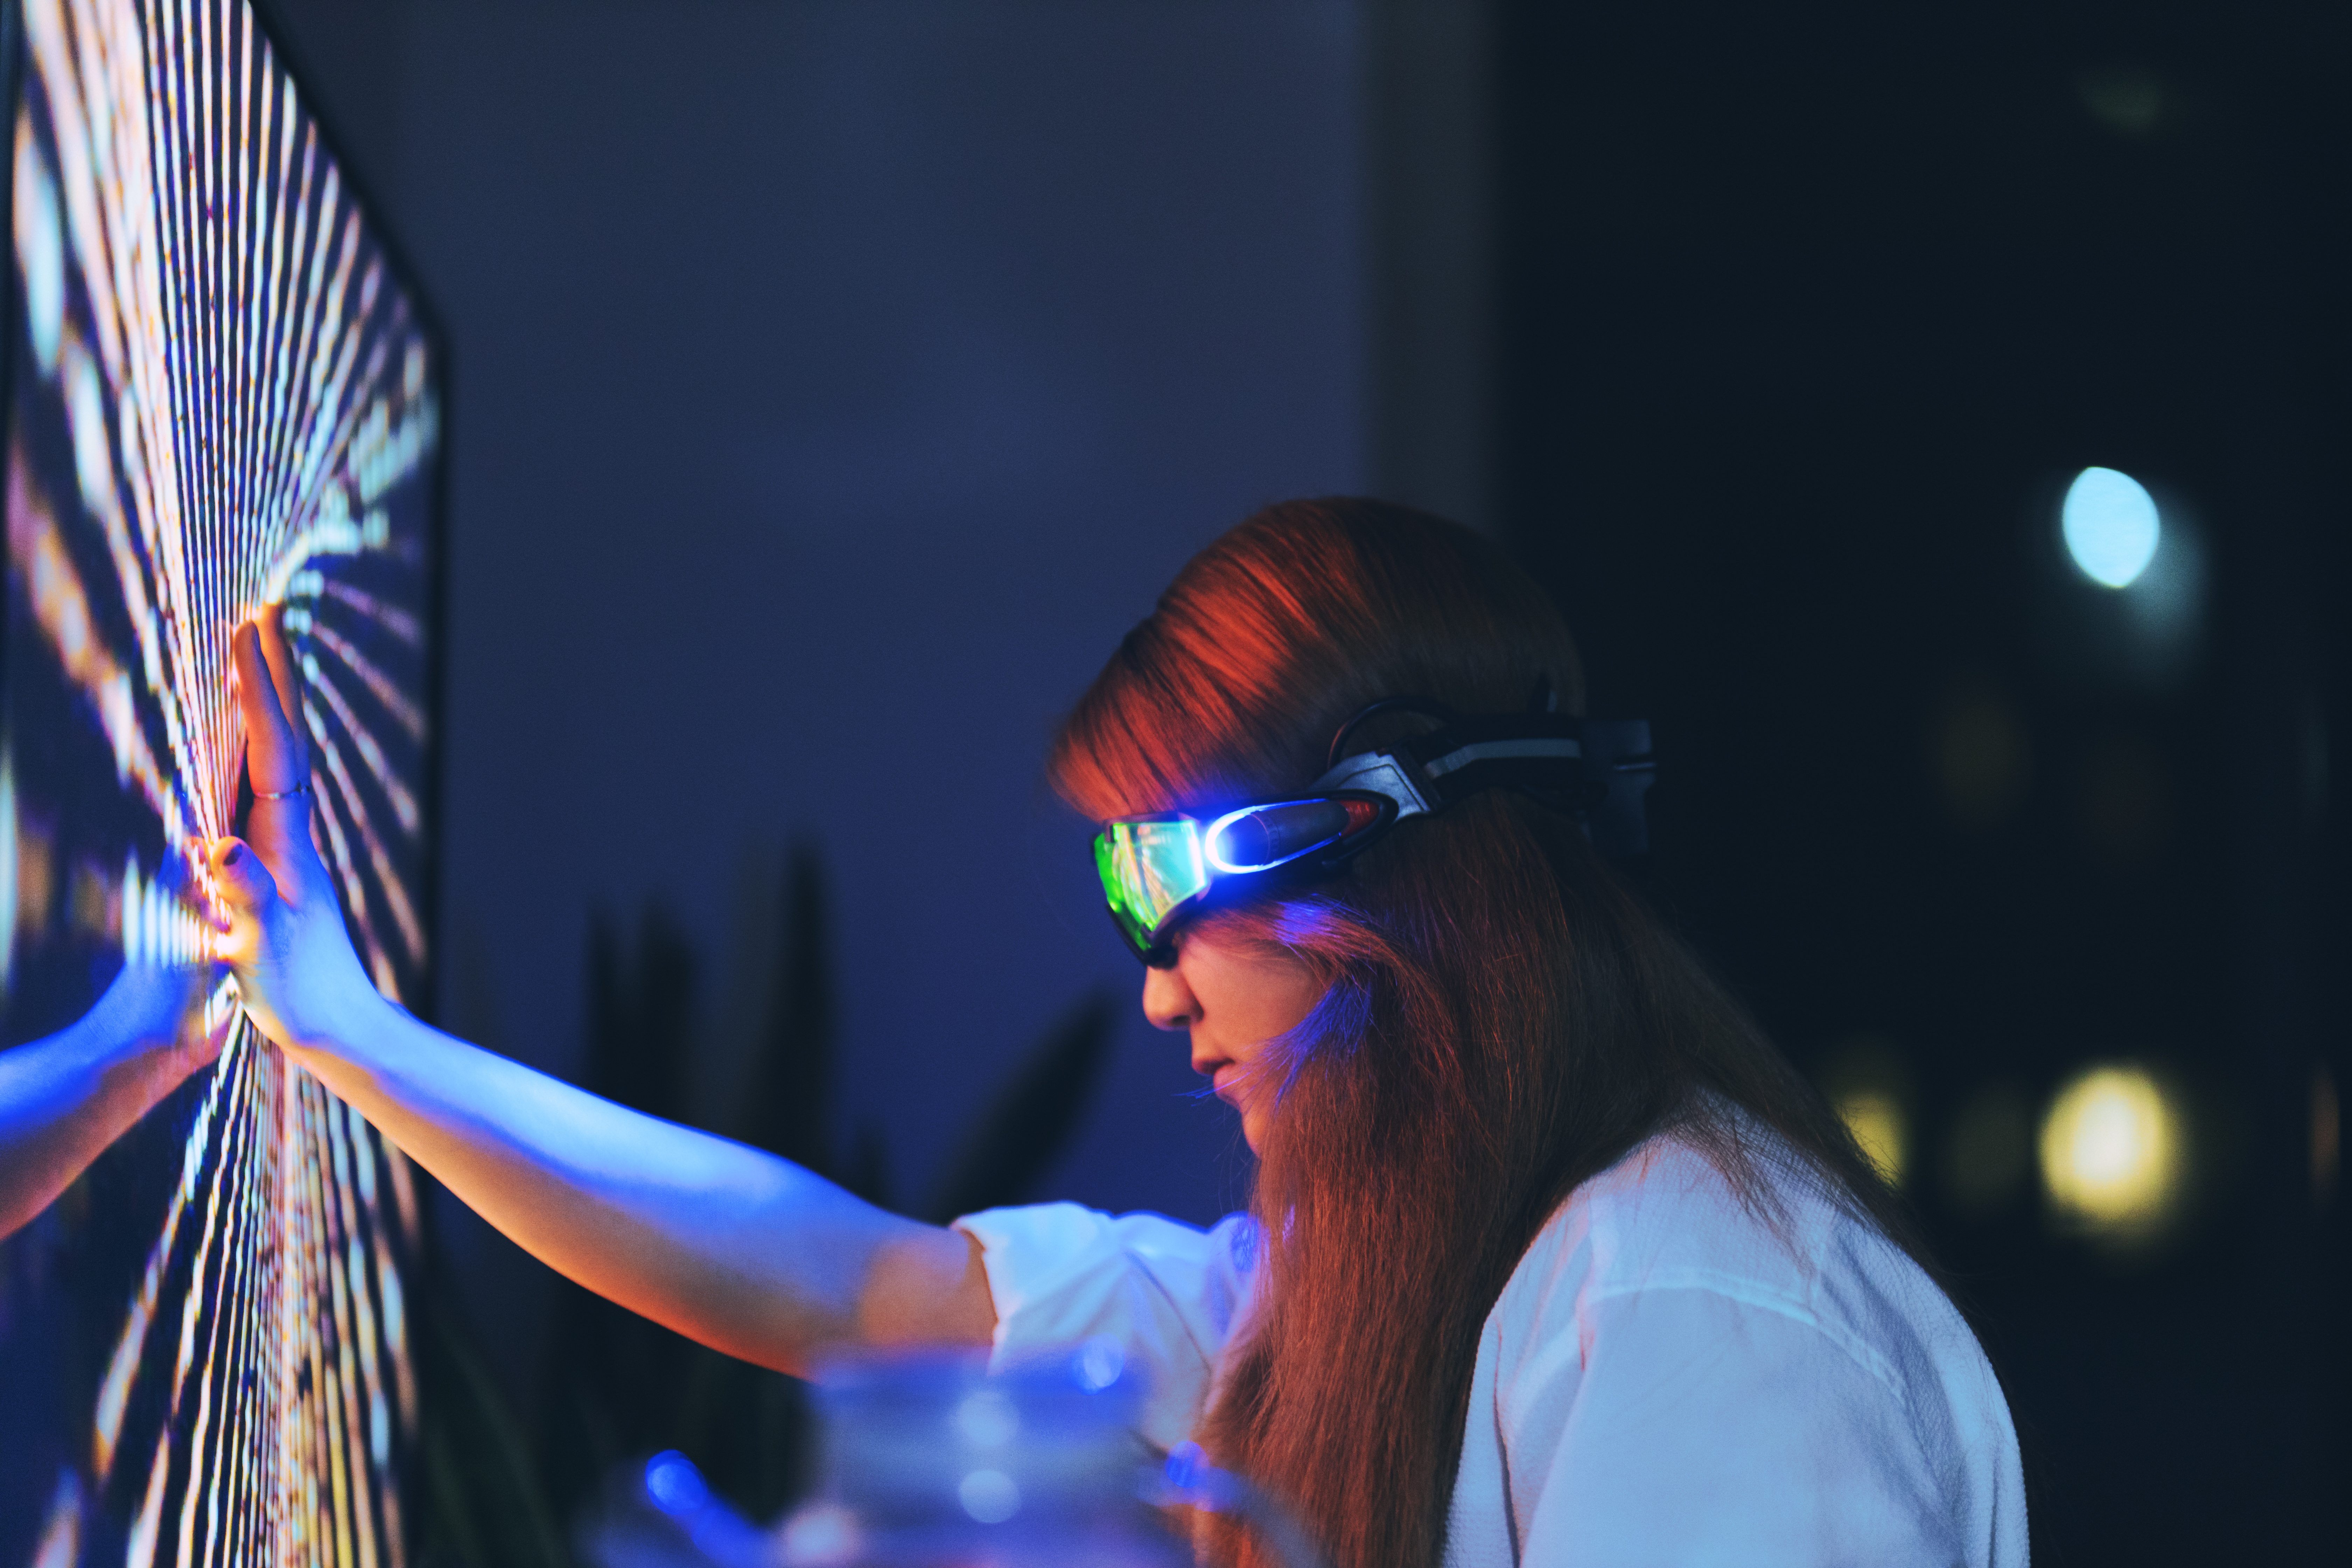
column 1687, row 1425
column 1165, row 1294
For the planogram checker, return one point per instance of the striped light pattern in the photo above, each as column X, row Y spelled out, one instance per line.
column 220, row 398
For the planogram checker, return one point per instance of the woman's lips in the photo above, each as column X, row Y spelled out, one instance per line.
column 1227, row 1081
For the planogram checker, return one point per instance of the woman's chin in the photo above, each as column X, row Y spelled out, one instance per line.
column 1252, row 1130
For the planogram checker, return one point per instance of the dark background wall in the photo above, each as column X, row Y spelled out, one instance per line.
column 836, row 383
column 1811, row 314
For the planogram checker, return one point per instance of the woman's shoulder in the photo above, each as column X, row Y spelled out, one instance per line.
column 1679, row 1355
column 1668, row 1217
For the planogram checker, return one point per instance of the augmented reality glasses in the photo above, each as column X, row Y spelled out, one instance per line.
column 1159, row 870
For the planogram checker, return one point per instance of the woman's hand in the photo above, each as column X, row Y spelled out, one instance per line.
column 158, row 1010
column 300, row 980
column 65, row 1098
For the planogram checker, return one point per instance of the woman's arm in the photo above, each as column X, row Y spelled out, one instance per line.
column 64, row 1099
column 748, row 1253
column 742, row 1250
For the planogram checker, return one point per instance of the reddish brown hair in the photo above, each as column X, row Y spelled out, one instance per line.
column 1503, row 1018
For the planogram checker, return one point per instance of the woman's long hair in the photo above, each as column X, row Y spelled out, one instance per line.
column 1502, row 1020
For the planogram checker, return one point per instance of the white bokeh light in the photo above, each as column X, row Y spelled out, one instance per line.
column 2110, row 525
column 2111, row 1151
column 991, row 1497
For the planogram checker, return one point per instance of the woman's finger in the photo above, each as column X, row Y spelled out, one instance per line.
column 245, row 883
column 275, row 759
column 285, row 678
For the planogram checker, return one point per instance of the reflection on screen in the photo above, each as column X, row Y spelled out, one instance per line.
column 219, row 397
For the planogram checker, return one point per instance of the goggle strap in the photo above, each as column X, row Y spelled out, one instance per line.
column 1599, row 768
column 1379, row 772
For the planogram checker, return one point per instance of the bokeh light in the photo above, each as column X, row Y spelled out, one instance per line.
column 2112, row 1147
column 2111, row 527
column 1876, row 1121
column 991, row 1497
column 987, row 1419
column 674, row 1484
column 1101, row 1363
column 1869, row 1086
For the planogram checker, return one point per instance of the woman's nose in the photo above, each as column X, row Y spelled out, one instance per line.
column 1168, row 1002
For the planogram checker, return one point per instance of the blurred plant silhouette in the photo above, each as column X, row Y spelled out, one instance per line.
column 499, row 1490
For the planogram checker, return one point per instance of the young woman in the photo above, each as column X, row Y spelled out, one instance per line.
column 1552, row 1257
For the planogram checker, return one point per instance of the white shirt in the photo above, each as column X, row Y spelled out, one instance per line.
column 1664, row 1378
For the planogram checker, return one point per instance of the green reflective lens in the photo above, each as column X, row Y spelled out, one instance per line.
column 1147, row 869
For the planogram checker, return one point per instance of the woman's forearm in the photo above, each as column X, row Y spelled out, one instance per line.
column 66, row 1098
column 742, row 1250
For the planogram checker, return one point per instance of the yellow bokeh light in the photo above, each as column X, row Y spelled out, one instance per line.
column 2112, row 1151
column 1876, row 1121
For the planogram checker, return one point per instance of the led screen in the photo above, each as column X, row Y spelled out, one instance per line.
column 220, row 395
